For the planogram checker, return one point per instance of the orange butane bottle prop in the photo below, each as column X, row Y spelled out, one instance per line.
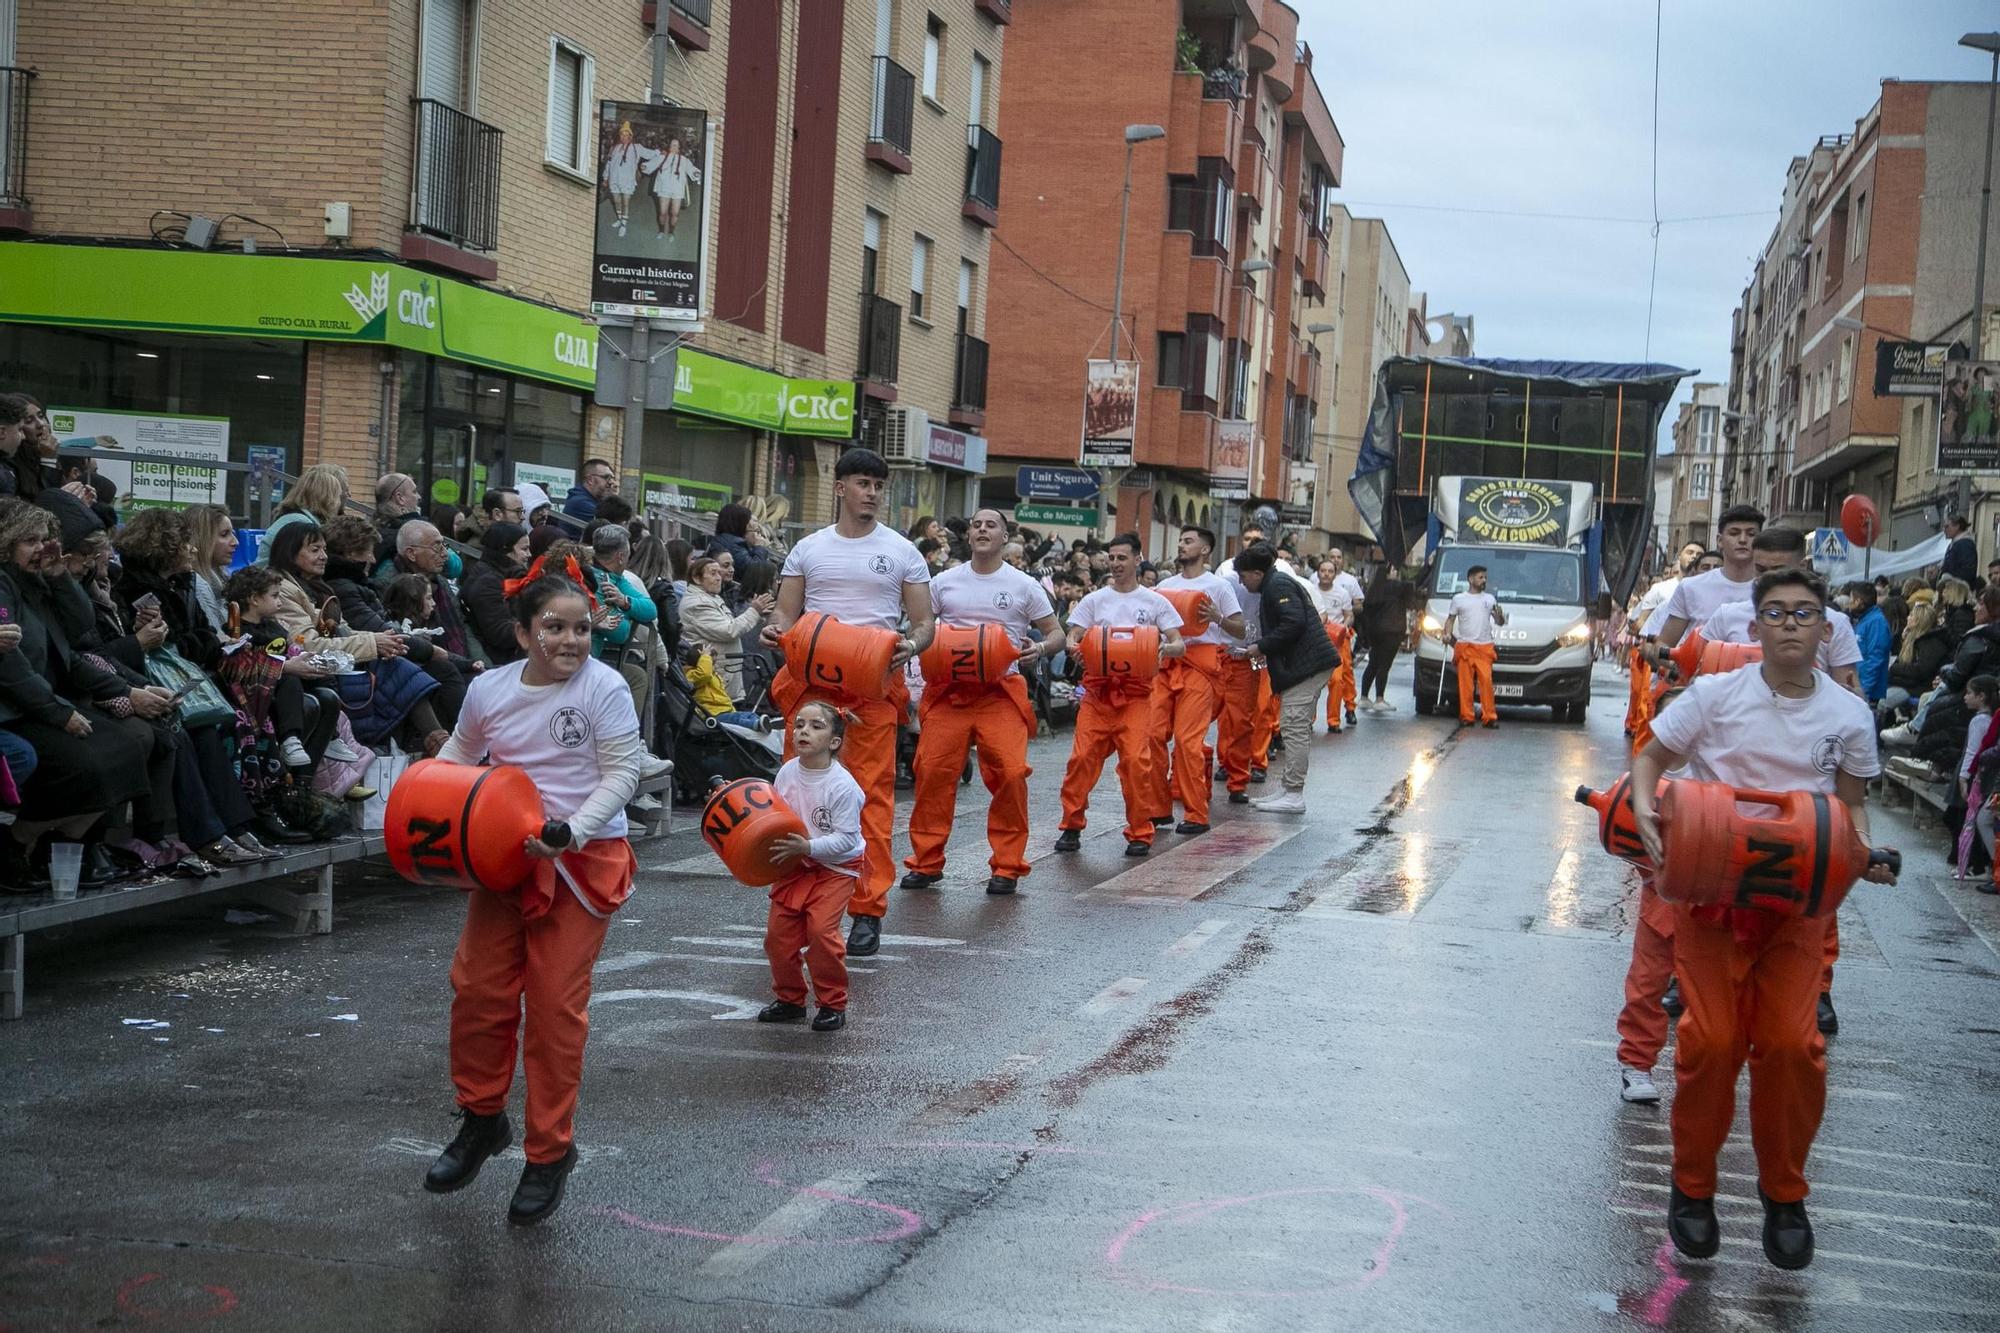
column 1686, row 655
column 829, row 655
column 1717, row 658
column 1617, row 827
column 741, row 821
column 1187, row 601
column 463, row 826
column 1120, row 653
column 968, row 655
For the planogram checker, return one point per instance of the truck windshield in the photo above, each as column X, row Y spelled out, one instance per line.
column 1523, row 574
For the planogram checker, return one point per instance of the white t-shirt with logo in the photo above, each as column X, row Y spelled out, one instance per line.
column 1220, row 591
column 1735, row 728
column 829, row 800
column 1006, row 597
column 1731, row 624
column 553, row 731
column 1652, row 610
column 1472, row 614
column 1338, row 601
column 1124, row 610
column 857, row 580
column 1703, row 595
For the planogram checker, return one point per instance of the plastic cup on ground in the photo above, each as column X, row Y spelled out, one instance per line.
column 65, row 868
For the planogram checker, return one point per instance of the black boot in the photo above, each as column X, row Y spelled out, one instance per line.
column 19, row 872
column 1000, row 886
column 1691, row 1225
column 1829, row 1021
column 1069, row 840
column 479, row 1137
column 828, row 1020
column 1788, row 1234
column 917, row 879
column 864, row 938
column 1671, row 1001
column 781, row 1011
column 540, row 1192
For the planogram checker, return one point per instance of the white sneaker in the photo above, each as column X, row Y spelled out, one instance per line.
column 652, row 766
column 1638, row 1085
column 341, row 752
column 294, row 753
column 1899, row 736
column 1286, row 803
column 645, row 803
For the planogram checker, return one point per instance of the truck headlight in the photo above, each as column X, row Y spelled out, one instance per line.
column 1432, row 626
column 1575, row 634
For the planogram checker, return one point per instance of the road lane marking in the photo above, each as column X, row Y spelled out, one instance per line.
column 740, row 1008
column 788, row 1222
column 923, row 941
column 1112, row 996
column 1819, row 1185
column 1654, row 1215
column 1830, row 1211
column 1838, row 1150
column 1195, row 938
column 1197, row 865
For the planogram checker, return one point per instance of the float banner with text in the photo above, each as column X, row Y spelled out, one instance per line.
column 1529, row 512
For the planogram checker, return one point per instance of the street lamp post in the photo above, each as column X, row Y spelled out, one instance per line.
column 1990, row 43
column 1134, row 135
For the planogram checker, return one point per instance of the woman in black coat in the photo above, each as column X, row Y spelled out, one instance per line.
column 482, row 589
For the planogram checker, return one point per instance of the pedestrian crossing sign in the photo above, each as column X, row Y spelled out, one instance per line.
column 1829, row 547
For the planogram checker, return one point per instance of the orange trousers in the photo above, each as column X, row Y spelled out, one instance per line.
column 1108, row 723
column 1266, row 725
column 503, row 958
column 1758, row 1002
column 1245, row 694
column 1184, row 702
column 1639, row 706
column 869, row 753
column 999, row 720
column 1831, row 954
column 1642, row 1023
column 805, row 917
column 1475, row 663
column 1340, row 682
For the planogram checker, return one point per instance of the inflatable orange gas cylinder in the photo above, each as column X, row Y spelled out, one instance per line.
column 1717, row 658
column 832, row 656
column 1617, row 829
column 1799, row 861
column 1113, row 653
column 1686, row 656
column 1187, row 601
column 741, row 821
column 968, row 655
column 463, row 826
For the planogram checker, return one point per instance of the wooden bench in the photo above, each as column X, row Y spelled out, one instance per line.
column 1900, row 792
column 310, row 910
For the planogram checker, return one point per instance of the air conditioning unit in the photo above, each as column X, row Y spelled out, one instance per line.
column 906, row 436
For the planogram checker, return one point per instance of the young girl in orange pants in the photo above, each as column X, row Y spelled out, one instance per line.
column 821, row 868
column 568, row 720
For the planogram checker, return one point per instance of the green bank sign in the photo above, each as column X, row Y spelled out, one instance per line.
column 274, row 296
column 709, row 386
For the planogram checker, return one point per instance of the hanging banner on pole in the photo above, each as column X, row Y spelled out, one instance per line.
column 651, row 250
column 1969, row 417
column 1110, row 413
column 1229, row 460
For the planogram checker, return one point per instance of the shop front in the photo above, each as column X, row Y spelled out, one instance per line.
column 295, row 361
column 957, row 464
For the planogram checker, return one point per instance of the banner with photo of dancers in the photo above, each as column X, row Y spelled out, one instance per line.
column 1969, row 417
column 1110, row 413
column 654, row 164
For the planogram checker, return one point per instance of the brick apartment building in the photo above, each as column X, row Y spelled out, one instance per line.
column 419, row 181
column 1372, row 297
column 1227, row 261
column 1697, row 459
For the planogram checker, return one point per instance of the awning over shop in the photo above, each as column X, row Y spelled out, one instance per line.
column 713, row 386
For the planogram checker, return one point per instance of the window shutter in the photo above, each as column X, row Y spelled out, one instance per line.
column 443, row 72
column 565, row 97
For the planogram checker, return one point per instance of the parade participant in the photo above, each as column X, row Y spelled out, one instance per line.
column 1642, row 627
column 1785, row 548
column 1113, row 716
column 1341, row 603
column 567, row 719
column 1297, row 654
column 860, row 573
column 1187, row 692
column 1749, row 978
column 1248, row 718
column 1468, row 634
column 997, row 719
column 819, row 871
column 1642, row 1020
column 1696, row 599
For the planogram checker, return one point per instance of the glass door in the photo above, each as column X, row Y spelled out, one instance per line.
column 466, row 435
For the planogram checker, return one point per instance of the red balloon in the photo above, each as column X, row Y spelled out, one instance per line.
column 1859, row 520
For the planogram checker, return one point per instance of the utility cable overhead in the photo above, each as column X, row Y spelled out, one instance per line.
column 1653, row 277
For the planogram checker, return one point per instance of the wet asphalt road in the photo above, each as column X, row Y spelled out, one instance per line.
column 1348, row 1071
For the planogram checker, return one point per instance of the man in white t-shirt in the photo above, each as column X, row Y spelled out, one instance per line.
column 1187, row 692
column 1749, row 976
column 1785, row 548
column 1639, row 706
column 1247, row 721
column 1115, row 713
column 1696, row 599
column 1468, row 632
column 860, row 573
column 998, row 719
column 1340, row 609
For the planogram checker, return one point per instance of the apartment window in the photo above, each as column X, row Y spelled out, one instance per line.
column 1844, row 381
column 1699, row 481
column 885, row 25
column 444, row 60
column 571, row 75
column 1204, row 204
column 1236, row 383
column 975, row 102
column 1857, row 232
column 871, row 252
column 1169, row 365
column 1201, row 382
column 933, row 54
column 967, row 280
column 920, row 276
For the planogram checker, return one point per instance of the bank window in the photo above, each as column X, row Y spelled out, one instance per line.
column 933, row 54
column 920, row 276
column 1172, row 353
column 572, row 74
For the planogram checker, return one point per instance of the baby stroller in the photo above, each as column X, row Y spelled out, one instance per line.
column 704, row 749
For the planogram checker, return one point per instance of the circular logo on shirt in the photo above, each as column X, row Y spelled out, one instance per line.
column 1143, row 616
column 1828, row 753
column 1002, row 600
column 823, row 819
column 880, row 564
column 569, row 728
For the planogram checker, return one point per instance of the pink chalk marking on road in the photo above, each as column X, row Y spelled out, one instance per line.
column 907, row 1225
column 1660, row 1305
column 948, row 1145
column 128, row 1301
column 1203, row 1209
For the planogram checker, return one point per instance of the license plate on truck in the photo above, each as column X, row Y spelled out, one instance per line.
column 1508, row 691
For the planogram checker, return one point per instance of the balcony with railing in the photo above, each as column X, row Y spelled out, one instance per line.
column 982, row 176
column 1000, row 11
column 14, row 85
column 1312, row 260
column 968, row 383
column 881, row 347
column 454, row 191
column 689, row 22
column 892, row 116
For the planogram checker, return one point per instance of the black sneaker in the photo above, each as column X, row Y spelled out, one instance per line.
column 1163, row 821
column 1239, row 798
column 1070, row 840
column 917, row 879
column 999, row 886
column 540, row 1192
column 1829, row 1023
column 1352, row 717
column 1788, row 1233
column 1257, row 775
column 479, row 1137
column 1490, row 726
column 18, row 871
column 864, row 937
column 827, row 1020
column 781, row 1011
column 1671, row 1001
column 1137, row 848
column 1691, row 1225
column 1189, row 827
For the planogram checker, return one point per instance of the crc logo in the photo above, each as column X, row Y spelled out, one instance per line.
column 818, row 407
column 574, row 351
column 417, row 307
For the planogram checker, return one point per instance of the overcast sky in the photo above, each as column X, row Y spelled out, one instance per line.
column 1545, row 106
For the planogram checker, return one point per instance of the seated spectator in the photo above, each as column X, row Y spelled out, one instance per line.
column 708, row 624
column 732, row 537
column 597, row 481
column 711, row 697
column 20, row 460
column 350, row 544
column 680, row 556
column 397, row 500
column 214, row 538
column 1926, row 644
column 1955, row 610
column 535, row 504
column 482, row 591
column 502, row 504
column 421, row 549
column 316, row 498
